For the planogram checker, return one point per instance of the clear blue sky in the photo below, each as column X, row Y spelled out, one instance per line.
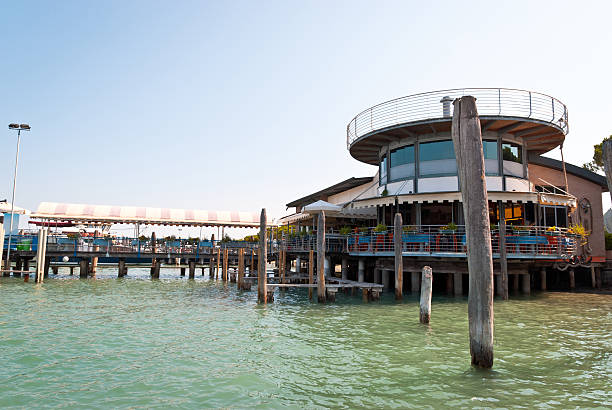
column 242, row 105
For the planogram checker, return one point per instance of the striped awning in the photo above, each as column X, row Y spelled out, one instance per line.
column 82, row 213
column 439, row 197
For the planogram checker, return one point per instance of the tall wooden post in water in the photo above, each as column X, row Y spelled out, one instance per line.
column 321, row 257
column 503, row 260
column 467, row 140
column 399, row 265
column 262, row 286
column 310, row 272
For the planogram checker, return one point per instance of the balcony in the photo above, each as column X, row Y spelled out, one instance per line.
column 522, row 242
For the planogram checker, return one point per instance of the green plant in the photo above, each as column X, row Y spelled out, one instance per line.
column 345, row 230
column 450, row 227
column 72, row 235
column 385, row 192
column 608, row 236
column 493, row 227
column 380, row 228
column 551, row 229
column 409, row 228
column 363, row 229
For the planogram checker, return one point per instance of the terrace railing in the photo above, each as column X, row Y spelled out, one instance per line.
column 499, row 102
column 438, row 240
column 123, row 245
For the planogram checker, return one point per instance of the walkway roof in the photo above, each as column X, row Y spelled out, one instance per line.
column 329, row 191
column 53, row 211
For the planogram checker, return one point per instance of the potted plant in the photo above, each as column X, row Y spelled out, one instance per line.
column 380, row 229
column 385, row 192
column 409, row 229
column 449, row 228
column 345, row 230
column 552, row 231
column 578, row 231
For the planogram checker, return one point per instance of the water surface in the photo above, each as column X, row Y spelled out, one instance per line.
column 134, row 342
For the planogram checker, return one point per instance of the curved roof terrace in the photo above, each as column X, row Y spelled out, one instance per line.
column 539, row 119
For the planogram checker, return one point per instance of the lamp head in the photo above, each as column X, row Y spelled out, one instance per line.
column 13, row 126
column 25, row 127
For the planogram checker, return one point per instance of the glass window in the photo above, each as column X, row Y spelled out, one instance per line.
column 402, row 163
column 512, row 155
column 383, row 171
column 512, row 152
column 437, row 159
column 489, row 149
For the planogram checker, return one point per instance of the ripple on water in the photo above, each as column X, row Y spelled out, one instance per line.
column 139, row 343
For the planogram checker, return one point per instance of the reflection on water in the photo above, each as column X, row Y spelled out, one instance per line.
column 174, row 342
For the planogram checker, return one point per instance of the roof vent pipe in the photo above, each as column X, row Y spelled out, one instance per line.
column 446, row 106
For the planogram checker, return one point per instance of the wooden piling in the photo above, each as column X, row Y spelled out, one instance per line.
column 543, row 278
column 225, row 264
column 83, row 268
column 310, row 272
column 41, row 254
column 515, row 282
column 503, row 260
column 240, row 268
column 282, row 265
column 183, row 269
column 426, row 286
column 361, row 270
column 262, row 288
column 572, row 280
column 155, row 268
column 467, row 140
column 218, row 261
column 192, row 268
column 593, row 279
column 399, row 263
column 321, row 257
column 121, row 268
column 252, row 265
column 94, row 266
column 344, row 268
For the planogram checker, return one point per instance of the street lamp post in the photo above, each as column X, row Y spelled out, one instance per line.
column 18, row 128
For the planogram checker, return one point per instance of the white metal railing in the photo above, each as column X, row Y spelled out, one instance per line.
column 503, row 102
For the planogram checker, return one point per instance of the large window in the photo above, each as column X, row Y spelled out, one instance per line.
column 437, row 159
column 402, row 163
column 489, row 149
column 512, row 155
column 383, row 171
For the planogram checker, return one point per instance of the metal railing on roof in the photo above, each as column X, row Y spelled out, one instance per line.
column 500, row 102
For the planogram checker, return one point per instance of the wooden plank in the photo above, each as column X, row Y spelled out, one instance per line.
column 467, row 140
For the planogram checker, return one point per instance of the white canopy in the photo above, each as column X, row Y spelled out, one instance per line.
column 321, row 206
column 5, row 208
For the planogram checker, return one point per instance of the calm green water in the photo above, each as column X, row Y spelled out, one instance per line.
column 139, row 343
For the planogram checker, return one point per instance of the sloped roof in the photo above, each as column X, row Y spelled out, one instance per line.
column 570, row 169
column 331, row 190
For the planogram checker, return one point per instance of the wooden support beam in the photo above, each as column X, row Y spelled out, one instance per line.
column 321, row 257
column 509, row 127
column 225, row 264
column 572, row 280
column 458, row 284
column 262, row 289
column 467, row 139
column 218, row 263
column 399, row 264
column 425, row 303
column 121, row 269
